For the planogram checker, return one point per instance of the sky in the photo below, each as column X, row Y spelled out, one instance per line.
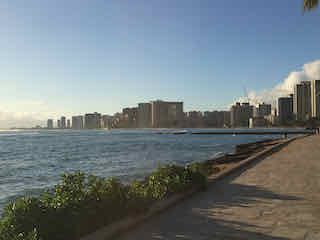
column 72, row 57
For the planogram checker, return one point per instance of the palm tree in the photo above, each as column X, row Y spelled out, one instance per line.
column 310, row 4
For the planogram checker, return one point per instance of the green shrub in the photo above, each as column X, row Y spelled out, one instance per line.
column 21, row 219
column 197, row 177
column 205, row 168
column 166, row 180
column 78, row 206
column 139, row 198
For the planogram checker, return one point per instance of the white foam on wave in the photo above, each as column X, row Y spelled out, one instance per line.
column 211, row 146
column 18, row 134
column 10, row 130
column 219, row 154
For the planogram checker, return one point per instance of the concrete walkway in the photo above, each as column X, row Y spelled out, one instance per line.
column 275, row 198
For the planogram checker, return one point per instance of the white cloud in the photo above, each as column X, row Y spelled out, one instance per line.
column 19, row 119
column 25, row 114
column 308, row 72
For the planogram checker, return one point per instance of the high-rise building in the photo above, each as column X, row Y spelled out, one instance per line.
column 58, row 123
column 106, row 121
column 273, row 117
column 214, row 118
column 68, row 123
column 63, row 122
column 240, row 114
column 315, row 98
column 259, row 121
column 50, row 123
column 166, row 114
column 175, row 111
column 77, row 122
column 235, row 113
column 285, row 109
column 196, row 115
column 144, row 115
column 130, row 117
column 197, row 119
column 302, row 101
column 92, row 120
column 262, row 110
column 226, row 118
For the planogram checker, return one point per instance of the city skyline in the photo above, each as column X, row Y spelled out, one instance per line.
column 66, row 58
column 307, row 108
column 301, row 106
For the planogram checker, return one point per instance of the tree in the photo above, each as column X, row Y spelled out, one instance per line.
column 310, row 4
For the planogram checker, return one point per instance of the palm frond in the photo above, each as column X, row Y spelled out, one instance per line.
column 310, row 4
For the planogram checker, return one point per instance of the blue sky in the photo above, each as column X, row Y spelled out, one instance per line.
column 71, row 57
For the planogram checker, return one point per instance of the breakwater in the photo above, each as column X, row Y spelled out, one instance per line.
column 242, row 132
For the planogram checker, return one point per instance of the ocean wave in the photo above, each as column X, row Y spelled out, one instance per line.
column 211, row 146
column 18, row 134
column 219, row 154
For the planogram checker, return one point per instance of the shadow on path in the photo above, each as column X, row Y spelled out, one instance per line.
column 196, row 217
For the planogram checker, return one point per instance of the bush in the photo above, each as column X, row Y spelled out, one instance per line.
column 78, row 206
column 205, row 168
column 166, row 180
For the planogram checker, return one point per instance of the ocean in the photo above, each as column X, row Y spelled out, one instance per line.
column 33, row 160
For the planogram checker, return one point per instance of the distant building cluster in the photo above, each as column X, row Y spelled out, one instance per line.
column 244, row 115
column 88, row 121
column 302, row 105
column 154, row 114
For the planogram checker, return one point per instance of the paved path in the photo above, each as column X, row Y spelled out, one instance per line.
column 276, row 198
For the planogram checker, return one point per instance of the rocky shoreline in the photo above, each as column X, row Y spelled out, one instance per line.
column 243, row 151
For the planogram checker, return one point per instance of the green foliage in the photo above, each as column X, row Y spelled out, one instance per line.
column 166, row 180
column 78, row 206
column 139, row 197
column 204, row 168
column 21, row 219
column 198, row 177
column 310, row 4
